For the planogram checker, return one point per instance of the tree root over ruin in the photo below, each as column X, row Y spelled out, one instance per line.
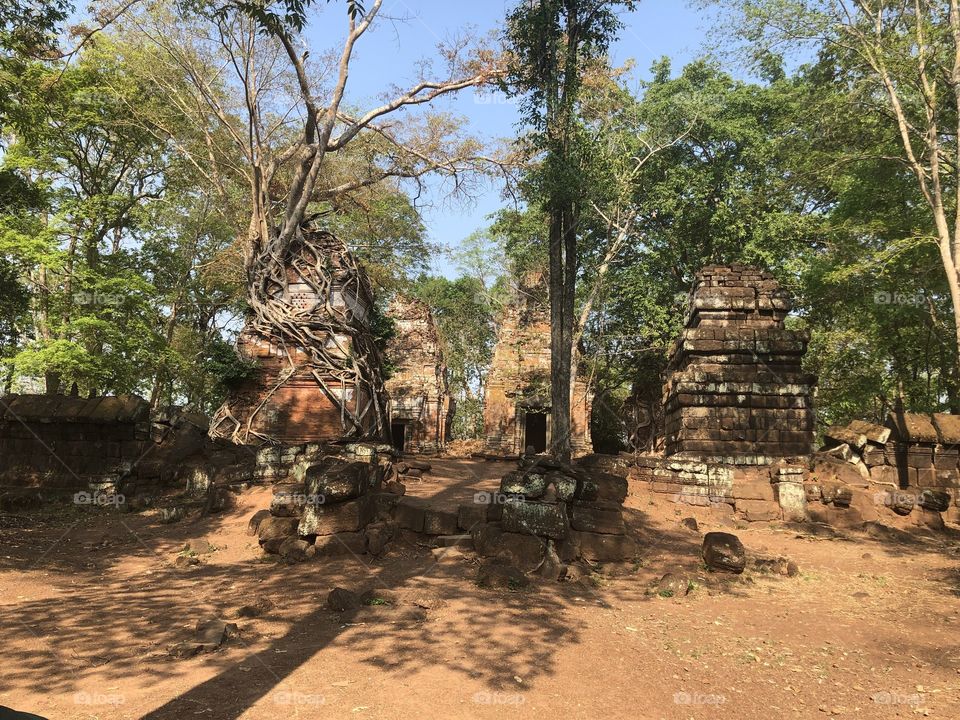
column 322, row 332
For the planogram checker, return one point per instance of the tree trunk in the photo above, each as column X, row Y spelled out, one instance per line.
column 562, row 284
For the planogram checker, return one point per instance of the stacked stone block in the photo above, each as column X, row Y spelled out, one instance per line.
column 324, row 498
column 735, row 390
column 546, row 509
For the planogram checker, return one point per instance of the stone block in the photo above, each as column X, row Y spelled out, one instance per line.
column 758, row 510
column 531, row 484
column 605, row 548
column 603, row 486
column 471, row 515
column 439, row 522
column 335, row 480
column 525, row 551
column 410, row 513
column 330, row 518
column 536, row 518
column 605, row 518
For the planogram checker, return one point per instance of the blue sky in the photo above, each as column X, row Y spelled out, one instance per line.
column 389, row 53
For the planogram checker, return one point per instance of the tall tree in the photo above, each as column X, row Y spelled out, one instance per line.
column 552, row 43
column 255, row 89
column 900, row 61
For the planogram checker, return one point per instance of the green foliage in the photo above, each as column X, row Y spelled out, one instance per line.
column 462, row 311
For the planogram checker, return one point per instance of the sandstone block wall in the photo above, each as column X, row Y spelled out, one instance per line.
column 735, row 390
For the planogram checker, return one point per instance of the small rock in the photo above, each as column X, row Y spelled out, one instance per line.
column 341, row 600
column 294, row 549
column 184, row 561
column 253, row 525
column 211, row 634
column 673, row 585
column 724, row 552
column 199, row 546
column 690, row 523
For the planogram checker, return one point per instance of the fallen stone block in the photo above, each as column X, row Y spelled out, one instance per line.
column 723, row 552
column 937, row 500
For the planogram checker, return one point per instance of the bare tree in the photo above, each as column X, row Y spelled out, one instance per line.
column 249, row 105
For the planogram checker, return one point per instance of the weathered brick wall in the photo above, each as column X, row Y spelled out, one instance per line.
column 54, row 440
column 62, row 444
column 418, row 390
column 519, row 378
column 735, row 390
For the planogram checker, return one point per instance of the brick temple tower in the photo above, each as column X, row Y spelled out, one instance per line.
column 516, row 413
column 420, row 404
column 326, row 386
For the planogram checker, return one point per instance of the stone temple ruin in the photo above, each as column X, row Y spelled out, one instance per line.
column 326, row 387
column 735, row 391
column 516, row 414
column 739, row 430
column 739, row 419
column 421, row 407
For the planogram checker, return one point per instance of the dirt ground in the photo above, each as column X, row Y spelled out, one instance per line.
column 90, row 602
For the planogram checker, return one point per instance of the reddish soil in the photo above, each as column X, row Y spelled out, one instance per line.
column 90, row 601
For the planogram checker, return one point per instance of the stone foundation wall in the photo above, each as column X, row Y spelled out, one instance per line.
column 751, row 493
